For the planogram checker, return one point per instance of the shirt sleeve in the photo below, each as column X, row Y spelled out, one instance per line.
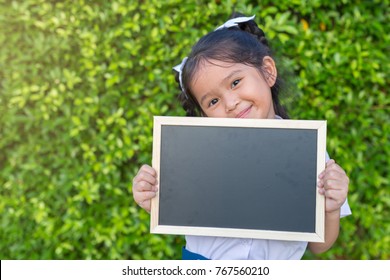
column 345, row 210
column 327, row 157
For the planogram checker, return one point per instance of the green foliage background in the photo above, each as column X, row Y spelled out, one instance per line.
column 81, row 80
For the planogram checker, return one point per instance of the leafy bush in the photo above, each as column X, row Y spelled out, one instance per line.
column 81, row 80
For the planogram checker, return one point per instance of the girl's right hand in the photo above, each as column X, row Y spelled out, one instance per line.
column 145, row 186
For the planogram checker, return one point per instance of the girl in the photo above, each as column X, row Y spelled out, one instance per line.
column 230, row 73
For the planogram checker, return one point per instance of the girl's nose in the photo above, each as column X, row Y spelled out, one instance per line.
column 232, row 101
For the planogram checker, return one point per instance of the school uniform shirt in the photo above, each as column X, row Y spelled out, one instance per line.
column 226, row 248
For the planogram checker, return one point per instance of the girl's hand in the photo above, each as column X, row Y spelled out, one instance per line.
column 145, row 186
column 333, row 183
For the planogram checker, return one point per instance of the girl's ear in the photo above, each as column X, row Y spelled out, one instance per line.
column 269, row 70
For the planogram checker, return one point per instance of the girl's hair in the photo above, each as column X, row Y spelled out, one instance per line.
column 244, row 44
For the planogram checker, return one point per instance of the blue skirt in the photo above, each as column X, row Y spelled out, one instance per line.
column 188, row 255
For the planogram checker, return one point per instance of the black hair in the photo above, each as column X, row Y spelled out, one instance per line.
column 244, row 44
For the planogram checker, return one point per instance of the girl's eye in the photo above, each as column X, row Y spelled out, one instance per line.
column 235, row 83
column 213, row 102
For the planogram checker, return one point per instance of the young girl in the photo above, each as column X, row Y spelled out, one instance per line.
column 230, row 73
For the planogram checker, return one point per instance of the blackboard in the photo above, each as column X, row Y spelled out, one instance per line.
column 244, row 178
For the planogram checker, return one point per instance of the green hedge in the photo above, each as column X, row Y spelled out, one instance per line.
column 81, row 80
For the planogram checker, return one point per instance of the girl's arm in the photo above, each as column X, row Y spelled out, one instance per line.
column 333, row 183
column 332, row 222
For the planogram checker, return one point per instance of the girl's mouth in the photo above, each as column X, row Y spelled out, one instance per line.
column 244, row 113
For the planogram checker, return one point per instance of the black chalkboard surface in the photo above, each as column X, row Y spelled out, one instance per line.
column 239, row 178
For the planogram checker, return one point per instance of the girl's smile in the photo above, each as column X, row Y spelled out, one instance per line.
column 235, row 90
column 244, row 112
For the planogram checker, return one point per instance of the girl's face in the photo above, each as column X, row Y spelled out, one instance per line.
column 235, row 90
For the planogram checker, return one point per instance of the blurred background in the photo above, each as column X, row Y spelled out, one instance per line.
column 80, row 82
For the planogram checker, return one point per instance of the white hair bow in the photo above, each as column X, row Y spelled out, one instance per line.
column 179, row 68
column 234, row 22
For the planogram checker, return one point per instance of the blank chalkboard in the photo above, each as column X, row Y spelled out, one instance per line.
column 239, row 178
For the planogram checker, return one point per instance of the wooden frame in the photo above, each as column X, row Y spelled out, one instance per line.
column 319, row 129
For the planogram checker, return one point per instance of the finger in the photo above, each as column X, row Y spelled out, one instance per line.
column 332, row 165
column 321, row 191
column 330, row 184
column 335, row 195
column 330, row 193
column 143, row 196
column 334, row 171
column 148, row 169
column 146, row 205
column 335, row 184
column 144, row 200
column 334, row 175
column 335, row 180
column 144, row 176
column 330, row 162
column 335, row 191
column 144, row 186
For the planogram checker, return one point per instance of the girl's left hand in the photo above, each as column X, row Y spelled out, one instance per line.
column 333, row 183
